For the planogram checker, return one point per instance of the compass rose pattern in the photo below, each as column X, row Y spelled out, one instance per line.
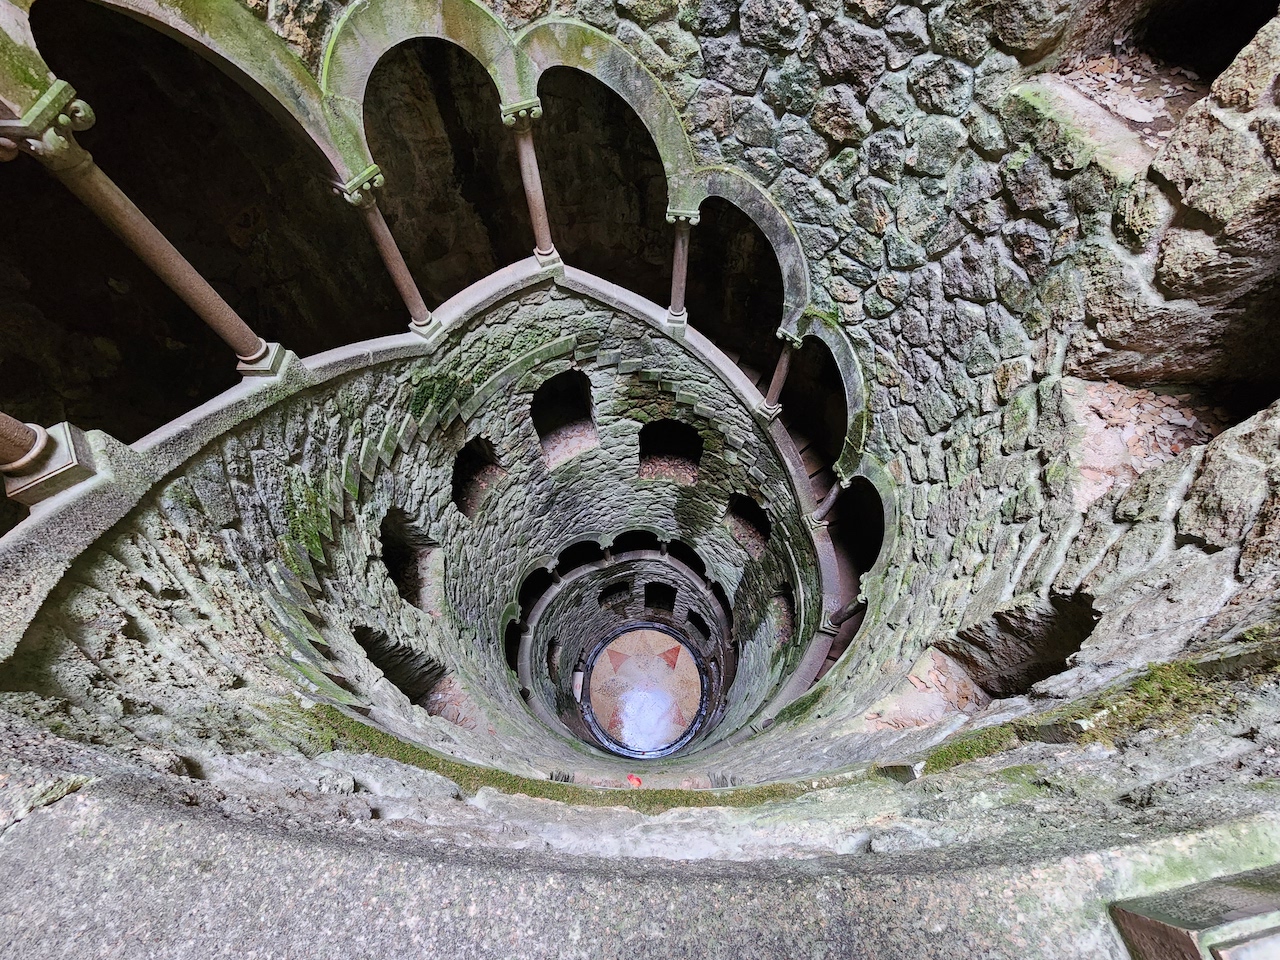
column 645, row 690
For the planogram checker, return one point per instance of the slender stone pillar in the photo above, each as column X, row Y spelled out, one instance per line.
column 359, row 193
column 828, row 502
column 100, row 194
column 20, row 443
column 47, row 133
column 677, row 314
column 779, row 376
column 520, row 118
column 770, row 407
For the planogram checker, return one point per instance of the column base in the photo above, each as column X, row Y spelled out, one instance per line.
column 65, row 461
column 267, row 366
column 814, row 523
column 429, row 331
column 769, row 411
column 676, row 323
column 550, row 262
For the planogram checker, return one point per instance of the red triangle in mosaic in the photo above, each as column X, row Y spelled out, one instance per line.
column 617, row 659
column 672, row 655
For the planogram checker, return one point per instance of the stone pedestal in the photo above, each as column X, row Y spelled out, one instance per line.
column 65, row 461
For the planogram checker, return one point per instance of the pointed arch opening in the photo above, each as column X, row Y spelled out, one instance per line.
column 605, row 184
column 735, row 292
column 453, row 198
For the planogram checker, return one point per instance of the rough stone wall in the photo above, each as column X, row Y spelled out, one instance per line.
column 286, row 513
column 1193, row 295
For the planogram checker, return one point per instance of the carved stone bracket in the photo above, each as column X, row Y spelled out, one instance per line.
column 685, row 217
column 793, row 341
column 47, row 130
column 522, row 112
column 358, row 191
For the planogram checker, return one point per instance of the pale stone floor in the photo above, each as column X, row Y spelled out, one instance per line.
column 645, row 690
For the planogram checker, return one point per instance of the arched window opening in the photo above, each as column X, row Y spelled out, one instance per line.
column 578, row 555
column 616, row 594
column 749, row 524
column 660, row 597
column 670, row 450
column 475, row 470
column 735, row 292
column 699, row 624
column 814, row 412
column 1203, row 36
column 605, row 185
column 410, row 671
column 635, row 540
column 553, row 659
column 406, row 553
column 562, row 416
column 453, row 197
column 856, row 529
column 511, row 644
column 532, row 589
column 682, row 552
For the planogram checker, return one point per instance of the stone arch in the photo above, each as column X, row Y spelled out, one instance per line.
column 566, row 43
column 229, row 36
column 368, row 29
column 838, row 344
column 755, row 202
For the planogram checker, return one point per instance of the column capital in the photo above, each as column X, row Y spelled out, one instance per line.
column 47, row 130
column 522, row 112
column 358, row 191
column 790, row 339
column 684, row 217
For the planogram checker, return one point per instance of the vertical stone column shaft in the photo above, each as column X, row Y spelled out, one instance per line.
column 532, row 180
column 828, row 502
column 395, row 263
column 100, row 194
column 680, row 268
column 779, row 376
column 17, row 440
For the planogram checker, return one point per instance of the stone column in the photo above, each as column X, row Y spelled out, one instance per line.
column 770, row 407
column 47, row 133
column 359, row 193
column 828, row 502
column 20, row 443
column 779, row 377
column 684, row 220
column 520, row 117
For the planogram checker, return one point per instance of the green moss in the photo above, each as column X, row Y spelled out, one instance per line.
column 1170, row 696
column 812, row 314
column 326, row 728
column 799, row 708
column 432, row 393
column 972, row 746
column 1262, row 633
column 305, row 513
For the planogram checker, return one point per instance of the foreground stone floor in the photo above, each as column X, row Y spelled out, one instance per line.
column 102, row 874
